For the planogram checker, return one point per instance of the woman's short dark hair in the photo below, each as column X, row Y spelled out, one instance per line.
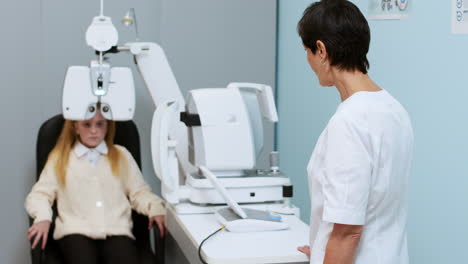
column 342, row 28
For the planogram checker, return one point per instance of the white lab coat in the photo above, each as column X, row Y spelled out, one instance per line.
column 358, row 175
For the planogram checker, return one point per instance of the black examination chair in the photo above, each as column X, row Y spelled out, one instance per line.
column 127, row 136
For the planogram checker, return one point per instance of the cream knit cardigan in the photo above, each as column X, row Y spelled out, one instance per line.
column 94, row 202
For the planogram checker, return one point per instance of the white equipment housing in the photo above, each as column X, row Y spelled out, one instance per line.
column 237, row 219
column 80, row 98
column 224, row 143
column 101, row 35
column 221, row 140
column 85, row 86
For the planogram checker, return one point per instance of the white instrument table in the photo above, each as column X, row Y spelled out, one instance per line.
column 237, row 248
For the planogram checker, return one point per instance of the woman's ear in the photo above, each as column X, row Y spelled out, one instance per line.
column 321, row 49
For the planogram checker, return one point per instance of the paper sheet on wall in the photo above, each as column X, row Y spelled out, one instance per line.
column 459, row 16
column 389, row 9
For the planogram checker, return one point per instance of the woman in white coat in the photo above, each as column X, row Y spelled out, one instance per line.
column 358, row 172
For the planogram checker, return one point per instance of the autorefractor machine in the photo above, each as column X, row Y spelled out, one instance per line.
column 204, row 149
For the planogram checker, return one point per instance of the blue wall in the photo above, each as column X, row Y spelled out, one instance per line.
column 425, row 67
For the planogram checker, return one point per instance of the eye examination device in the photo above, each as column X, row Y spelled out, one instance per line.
column 204, row 148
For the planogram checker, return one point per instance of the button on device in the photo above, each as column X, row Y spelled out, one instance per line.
column 99, row 204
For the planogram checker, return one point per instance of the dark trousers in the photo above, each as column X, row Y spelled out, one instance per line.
column 79, row 249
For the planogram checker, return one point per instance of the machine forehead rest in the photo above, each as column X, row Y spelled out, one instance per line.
column 79, row 101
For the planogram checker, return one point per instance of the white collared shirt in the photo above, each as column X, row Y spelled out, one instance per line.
column 92, row 154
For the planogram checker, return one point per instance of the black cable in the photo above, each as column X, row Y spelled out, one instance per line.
column 204, row 240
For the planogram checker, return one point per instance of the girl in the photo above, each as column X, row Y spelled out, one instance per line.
column 96, row 184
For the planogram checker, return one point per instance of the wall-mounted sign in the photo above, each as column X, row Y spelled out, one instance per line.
column 459, row 16
column 388, row 9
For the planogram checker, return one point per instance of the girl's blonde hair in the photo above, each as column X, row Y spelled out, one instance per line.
column 67, row 139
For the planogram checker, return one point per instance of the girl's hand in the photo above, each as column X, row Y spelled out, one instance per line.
column 305, row 250
column 160, row 220
column 37, row 231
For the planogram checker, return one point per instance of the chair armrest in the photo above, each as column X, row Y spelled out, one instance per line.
column 37, row 255
column 159, row 245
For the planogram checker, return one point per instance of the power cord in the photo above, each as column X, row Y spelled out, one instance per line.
column 204, row 240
